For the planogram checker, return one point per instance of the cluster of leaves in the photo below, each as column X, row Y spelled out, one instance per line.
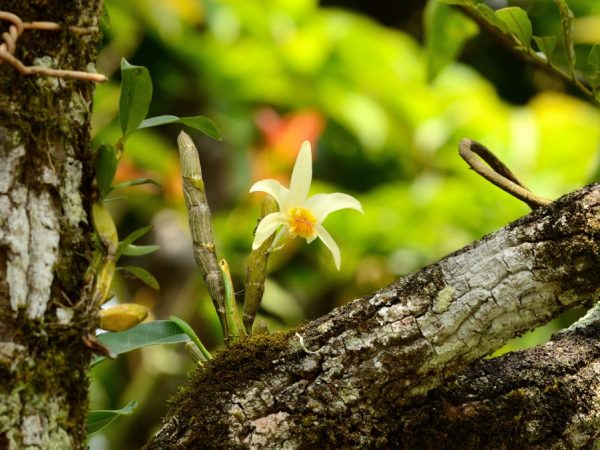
column 556, row 52
column 135, row 98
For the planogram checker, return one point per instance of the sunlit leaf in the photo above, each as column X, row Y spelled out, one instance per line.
column 566, row 20
column 136, row 182
column 446, row 29
column 142, row 335
column 132, row 238
column 139, row 250
column 199, row 123
column 142, row 274
column 99, row 419
column 106, row 167
column 136, row 94
column 546, row 44
column 517, row 22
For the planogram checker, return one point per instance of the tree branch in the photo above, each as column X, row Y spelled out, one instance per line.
column 362, row 363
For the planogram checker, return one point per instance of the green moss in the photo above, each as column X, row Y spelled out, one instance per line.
column 198, row 401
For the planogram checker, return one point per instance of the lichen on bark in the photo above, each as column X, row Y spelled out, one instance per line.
column 45, row 190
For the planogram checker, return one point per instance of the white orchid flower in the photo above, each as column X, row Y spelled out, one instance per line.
column 299, row 215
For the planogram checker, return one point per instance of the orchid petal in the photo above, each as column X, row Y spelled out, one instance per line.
column 321, row 205
column 266, row 228
column 301, row 176
column 273, row 188
column 330, row 244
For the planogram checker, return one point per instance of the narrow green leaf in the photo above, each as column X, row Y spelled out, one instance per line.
column 135, row 182
column 105, row 226
column 199, row 123
column 517, row 22
column 594, row 62
column 136, row 94
column 106, row 167
column 566, row 20
column 143, row 275
column 446, row 30
column 104, row 20
column 132, row 238
column 139, row 250
column 185, row 327
column 142, row 335
column 99, row 419
column 546, row 44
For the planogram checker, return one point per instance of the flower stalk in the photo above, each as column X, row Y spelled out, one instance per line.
column 256, row 271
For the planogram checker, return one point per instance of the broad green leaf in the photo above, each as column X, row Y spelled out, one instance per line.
column 135, row 182
column 132, row 238
column 105, row 226
column 136, row 94
column 490, row 16
column 517, row 22
column 142, row 335
column 546, row 44
column 566, row 20
column 139, row 250
column 142, row 274
column 99, row 419
column 446, row 30
column 199, row 123
column 106, row 167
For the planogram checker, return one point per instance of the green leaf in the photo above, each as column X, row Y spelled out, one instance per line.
column 199, row 123
column 136, row 94
column 457, row 2
column 135, row 182
column 546, row 44
column 446, row 29
column 106, row 167
column 104, row 20
column 490, row 16
column 594, row 62
column 143, row 275
column 142, row 335
column 185, row 327
column 517, row 22
column 99, row 419
column 132, row 238
column 566, row 20
column 105, row 226
column 139, row 250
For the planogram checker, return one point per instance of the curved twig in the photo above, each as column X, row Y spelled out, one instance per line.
column 16, row 28
column 497, row 173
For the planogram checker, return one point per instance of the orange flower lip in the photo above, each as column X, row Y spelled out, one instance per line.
column 302, row 223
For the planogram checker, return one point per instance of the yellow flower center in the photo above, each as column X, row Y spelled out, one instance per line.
column 302, row 223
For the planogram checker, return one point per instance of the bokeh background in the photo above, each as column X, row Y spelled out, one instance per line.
column 350, row 76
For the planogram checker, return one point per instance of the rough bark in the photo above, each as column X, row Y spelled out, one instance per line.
column 45, row 187
column 348, row 380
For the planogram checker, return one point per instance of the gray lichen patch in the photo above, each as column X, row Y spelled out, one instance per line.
column 44, row 238
column 70, row 195
column 10, row 162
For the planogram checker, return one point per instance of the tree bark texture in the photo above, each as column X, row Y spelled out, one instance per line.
column 46, row 176
column 356, row 377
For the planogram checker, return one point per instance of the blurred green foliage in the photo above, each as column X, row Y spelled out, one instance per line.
column 272, row 73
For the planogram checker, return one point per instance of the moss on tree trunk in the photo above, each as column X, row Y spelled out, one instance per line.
column 46, row 177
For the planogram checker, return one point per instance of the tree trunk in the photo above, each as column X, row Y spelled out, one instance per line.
column 46, row 176
column 354, row 377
